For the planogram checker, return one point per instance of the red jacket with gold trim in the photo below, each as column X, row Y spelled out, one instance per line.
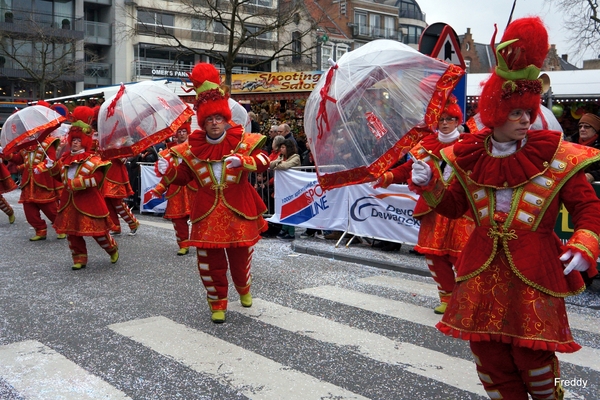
column 544, row 173
column 232, row 186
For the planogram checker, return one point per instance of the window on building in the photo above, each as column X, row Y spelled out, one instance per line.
column 263, row 35
column 340, row 50
column 296, row 46
column 360, row 19
column 389, row 24
column 150, row 21
column 410, row 9
column 261, row 3
column 326, row 54
column 375, row 25
column 413, row 35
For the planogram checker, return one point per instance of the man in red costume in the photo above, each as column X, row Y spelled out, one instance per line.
column 227, row 211
column 513, row 274
column 6, row 185
column 179, row 198
column 39, row 191
column 83, row 211
column 441, row 239
column 116, row 188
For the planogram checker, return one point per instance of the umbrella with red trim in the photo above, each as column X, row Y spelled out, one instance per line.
column 371, row 107
column 28, row 126
column 137, row 117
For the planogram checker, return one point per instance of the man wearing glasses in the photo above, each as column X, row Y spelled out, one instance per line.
column 227, row 211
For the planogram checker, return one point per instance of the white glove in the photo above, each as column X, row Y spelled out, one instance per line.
column 162, row 165
column 49, row 163
column 577, row 263
column 421, row 173
column 233, row 162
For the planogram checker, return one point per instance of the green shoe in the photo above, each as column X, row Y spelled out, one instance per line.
column 246, row 300
column 37, row 238
column 115, row 257
column 11, row 219
column 77, row 266
column 218, row 316
column 61, row 236
column 183, row 251
column 441, row 308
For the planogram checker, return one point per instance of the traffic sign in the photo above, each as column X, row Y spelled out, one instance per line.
column 447, row 48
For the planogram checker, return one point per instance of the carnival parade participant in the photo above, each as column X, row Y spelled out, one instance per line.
column 39, row 191
column 6, row 185
column 227, row 212
column 115, row 189
column 513, row 274
column 179, row 198
column 441, row 239
column 82, row 210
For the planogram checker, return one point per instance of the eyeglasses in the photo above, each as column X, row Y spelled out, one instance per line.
column 585, row 126
column 215, row 119
column 448, row 119
column 280, row 131
column 518, row 113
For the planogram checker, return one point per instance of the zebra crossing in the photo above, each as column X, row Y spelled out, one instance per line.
column 34, row 370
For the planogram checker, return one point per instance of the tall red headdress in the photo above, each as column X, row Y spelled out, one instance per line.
column 82, row 119
column 515, row 82
column 453, row 109
column 210, row 98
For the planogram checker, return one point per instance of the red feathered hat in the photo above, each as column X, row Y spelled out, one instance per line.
column 210, row 98
column 453, row 109
column 82, row 119
column 515, row 82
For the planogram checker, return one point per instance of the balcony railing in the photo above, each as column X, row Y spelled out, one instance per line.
column 98, row 33
column 101, row 2
column 250, row 45
column 26, row 23
column 98, row 74
column 368, row 32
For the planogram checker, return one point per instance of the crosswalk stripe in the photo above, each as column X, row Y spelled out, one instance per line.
column 415, row 359
column 38, row 372
column 255, row 376
column 430, row 290
column 586, row 357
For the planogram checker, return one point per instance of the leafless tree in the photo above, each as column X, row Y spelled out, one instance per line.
column 224, row 30
column 582, row 22
column 41, row 52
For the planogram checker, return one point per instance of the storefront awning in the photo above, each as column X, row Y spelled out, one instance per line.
column 271, row 96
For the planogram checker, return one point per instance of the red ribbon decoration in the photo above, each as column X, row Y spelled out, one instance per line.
column 111, row 108
column 324, row 92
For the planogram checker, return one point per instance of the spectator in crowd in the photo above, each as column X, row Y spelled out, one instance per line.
column 254, row 124
column 285, row 131
column 268, row 147
column 288, row 158
column 587, row 135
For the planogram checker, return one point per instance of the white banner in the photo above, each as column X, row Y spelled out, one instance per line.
column 148, row 181
column 300, row 201
column 385, row 214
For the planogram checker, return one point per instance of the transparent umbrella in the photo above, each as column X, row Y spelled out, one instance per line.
column 137, row 117
column 28, row 126
column 371, row 107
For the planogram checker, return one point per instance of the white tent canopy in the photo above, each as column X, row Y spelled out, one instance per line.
column 578, row 84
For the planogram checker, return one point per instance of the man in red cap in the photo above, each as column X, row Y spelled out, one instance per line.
column 82, row 210
column 513, row 274
column 441, row 239
column 227, row 212
column 179, row 198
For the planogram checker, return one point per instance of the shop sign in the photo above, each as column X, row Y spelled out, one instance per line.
column 271, row 82
column 169, row 73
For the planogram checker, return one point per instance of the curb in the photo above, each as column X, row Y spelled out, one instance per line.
column 399, row 267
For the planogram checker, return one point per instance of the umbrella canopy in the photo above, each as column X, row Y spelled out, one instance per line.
column 137, row 117
column 371, row 107
column 28, row 126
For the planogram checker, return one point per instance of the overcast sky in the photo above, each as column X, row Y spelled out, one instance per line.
column 480, row 16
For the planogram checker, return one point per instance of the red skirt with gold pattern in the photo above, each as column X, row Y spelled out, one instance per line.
column 498, row 306
column 222, row 228
column 72, row 222
column 116, row 190
column 442, row 236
